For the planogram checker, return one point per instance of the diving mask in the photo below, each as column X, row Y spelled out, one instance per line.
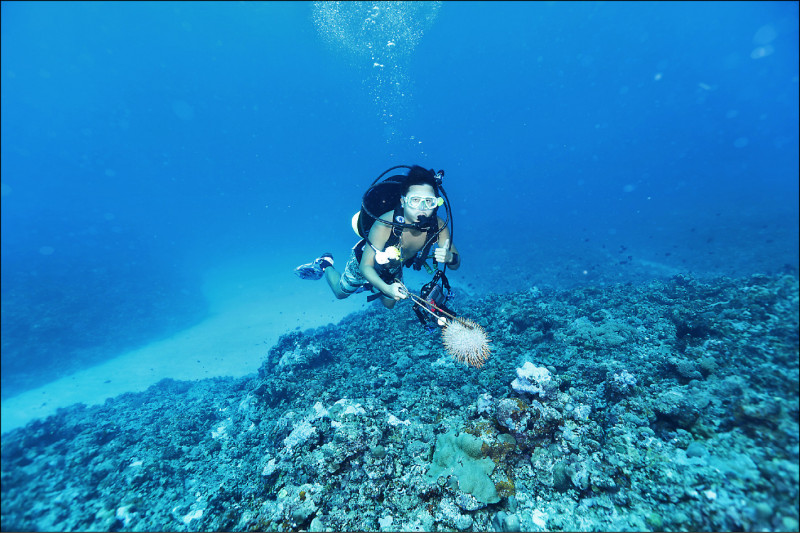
column 423, row 202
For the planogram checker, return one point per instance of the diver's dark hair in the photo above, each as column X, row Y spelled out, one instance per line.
column 419, row 176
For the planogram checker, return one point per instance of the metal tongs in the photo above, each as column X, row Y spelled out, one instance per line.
column 430, row 307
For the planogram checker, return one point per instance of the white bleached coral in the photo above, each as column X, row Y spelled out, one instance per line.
column 535, row 381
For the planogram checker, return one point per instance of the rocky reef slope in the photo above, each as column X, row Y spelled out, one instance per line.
column 664, row 406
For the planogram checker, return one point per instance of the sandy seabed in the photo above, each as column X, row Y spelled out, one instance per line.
column 249, row 312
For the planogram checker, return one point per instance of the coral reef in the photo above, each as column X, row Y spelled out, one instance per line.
column 671, row 405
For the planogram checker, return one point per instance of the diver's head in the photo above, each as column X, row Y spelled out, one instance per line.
column 418, row 202
column 419, row 176
column 420, row 195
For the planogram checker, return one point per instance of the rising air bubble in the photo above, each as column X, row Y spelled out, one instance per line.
column 357, row 29
column 741, row 142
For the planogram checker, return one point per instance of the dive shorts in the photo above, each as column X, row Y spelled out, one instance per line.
column 353, row 281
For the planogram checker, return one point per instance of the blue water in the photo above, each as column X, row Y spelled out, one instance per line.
column 146, row 143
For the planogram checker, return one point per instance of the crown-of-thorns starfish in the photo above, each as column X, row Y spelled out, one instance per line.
column 466, row 341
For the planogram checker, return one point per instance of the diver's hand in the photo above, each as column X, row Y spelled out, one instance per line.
column 397, row 291
column 442, row 253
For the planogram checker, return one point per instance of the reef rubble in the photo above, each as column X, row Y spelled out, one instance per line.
column 669, row 405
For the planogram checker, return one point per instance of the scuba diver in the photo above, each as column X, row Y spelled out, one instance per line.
column 399, row 225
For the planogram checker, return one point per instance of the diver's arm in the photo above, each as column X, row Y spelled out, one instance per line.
column 378, row 235
column 368, row 270
column 446, row 252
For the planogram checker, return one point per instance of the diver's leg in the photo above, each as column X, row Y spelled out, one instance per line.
column 333, row 277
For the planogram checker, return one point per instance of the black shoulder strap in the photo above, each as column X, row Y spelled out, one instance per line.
column 394, row 238
column 422, row 256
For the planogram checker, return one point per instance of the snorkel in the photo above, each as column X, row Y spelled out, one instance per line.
column 424, row 223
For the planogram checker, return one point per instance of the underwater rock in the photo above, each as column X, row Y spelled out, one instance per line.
column 529, row 423
column 622, row 383
column 675, row 408
column 513, row 415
